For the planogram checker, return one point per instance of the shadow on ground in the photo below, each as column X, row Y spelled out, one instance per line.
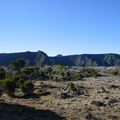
column 34, row 95
column 20, row 112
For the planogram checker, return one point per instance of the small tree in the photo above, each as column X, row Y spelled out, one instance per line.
column 18, row 64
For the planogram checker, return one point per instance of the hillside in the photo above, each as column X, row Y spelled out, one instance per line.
column 41, row 58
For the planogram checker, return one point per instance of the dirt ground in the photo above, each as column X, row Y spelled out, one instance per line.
column 100, row 101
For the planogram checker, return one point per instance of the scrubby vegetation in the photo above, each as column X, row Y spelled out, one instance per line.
column 73, row 92
column 9, row 86
column 27, row 87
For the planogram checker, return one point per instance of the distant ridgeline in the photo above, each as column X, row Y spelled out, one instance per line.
column 41, row 58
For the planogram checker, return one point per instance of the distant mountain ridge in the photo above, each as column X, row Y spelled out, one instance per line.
column 41, row 58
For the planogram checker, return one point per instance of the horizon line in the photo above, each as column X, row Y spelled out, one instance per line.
column 17, row 52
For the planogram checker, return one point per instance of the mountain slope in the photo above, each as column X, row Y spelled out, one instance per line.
column 41, row 58
column 88, row 60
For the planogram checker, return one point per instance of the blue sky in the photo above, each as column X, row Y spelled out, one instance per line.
column 60, row 26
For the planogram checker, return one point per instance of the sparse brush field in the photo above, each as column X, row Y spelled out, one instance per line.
column 90, row 98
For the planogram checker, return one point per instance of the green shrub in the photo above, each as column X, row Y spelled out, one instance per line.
column 19, row 79
column 89, row 72
column 27, row 87
column 115, row 73
column 20, row 83
column 72, row 86
column 9, row 86
column 28, row 70
column 18, row 64
column 2, row 73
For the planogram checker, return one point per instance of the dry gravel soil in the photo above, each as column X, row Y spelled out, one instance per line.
column 95, row 104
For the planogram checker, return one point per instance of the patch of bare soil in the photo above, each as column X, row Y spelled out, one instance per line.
column 101, row 101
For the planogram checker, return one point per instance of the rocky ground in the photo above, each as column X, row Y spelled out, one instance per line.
column 99, row 101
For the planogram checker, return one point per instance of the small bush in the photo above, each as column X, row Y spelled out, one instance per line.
column 72, row 86
column 115, row 73
column 20, row 83
column 28, row 70
column 19, row 79
column 27, row 87
column 2, row 73
column 9, row 86
column 89, row 72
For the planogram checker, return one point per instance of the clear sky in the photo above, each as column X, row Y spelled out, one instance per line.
column 60, row 26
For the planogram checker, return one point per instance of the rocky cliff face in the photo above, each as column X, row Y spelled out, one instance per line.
column 41, row 58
